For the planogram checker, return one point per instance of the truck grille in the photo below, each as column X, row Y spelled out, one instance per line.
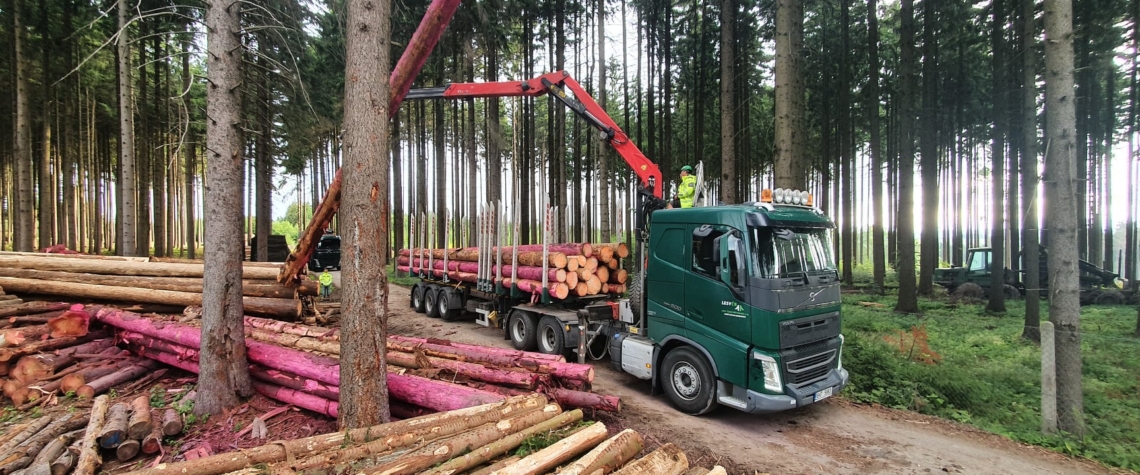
column 811, row 329
column 811, row 368
column 809, row 363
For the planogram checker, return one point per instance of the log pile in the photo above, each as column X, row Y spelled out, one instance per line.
column 572, row 269
column 500, row 371
column 142, row 281
column 519, row 435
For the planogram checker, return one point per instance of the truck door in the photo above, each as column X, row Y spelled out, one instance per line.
column 978, row 270
column 710, row 302
column 665, row 277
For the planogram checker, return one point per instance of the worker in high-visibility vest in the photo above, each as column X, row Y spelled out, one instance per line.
column 326, row 281
column 687, row 190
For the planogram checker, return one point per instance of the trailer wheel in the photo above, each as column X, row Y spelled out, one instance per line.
column 1110, row 297
column 689, row 381
column 418, row 298
column 431, row 301
column 522, row 327
column 550, row 338
column 1011, row 292
column 446, row 298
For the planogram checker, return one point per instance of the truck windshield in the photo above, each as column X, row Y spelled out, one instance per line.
column 783, row 252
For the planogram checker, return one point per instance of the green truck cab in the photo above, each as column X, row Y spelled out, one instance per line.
column 742, row 308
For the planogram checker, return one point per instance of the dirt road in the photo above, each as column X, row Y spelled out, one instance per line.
column 835, row 436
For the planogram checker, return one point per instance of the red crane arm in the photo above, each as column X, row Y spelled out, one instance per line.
column 556, row 84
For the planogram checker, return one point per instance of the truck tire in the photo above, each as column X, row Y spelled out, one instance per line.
column 431, row 301
column 550, row 338
column 418, row 297
column 689, row 381
column 521, row 328
column 1110, row 297
column 968, row 290
column 634, row 293
column 1011, row 292
column 448, row 297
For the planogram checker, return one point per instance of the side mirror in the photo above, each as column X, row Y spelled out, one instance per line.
column 731, row 267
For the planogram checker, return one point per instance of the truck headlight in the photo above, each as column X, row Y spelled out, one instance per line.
column 771, row 372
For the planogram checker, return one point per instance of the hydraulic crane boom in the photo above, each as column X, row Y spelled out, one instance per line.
column 556, row 84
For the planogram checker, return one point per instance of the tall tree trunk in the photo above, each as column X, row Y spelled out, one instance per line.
column 908, row 296
column 789, row 162
column 25, row 225
column 1130, row 248
column 846, row 158
column 160, row 155
column 603, row 152
column 494, row 136
column 929, row 143
column 398, row 221
column 878, row 253
column 190, row 149
column 727, row 104
column 264, row 158
column 1030, row 262
column 364, row 400
column 438, row 140
column 997, row 170
column 1061, row 209
column 224, row 372
column 46, row 182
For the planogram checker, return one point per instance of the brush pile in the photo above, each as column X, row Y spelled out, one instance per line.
column 572, row 269
column 483, row 439
column 143, row 280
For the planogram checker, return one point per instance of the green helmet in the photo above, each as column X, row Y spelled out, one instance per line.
column 687, row 168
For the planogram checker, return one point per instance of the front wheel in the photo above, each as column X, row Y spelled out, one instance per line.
column 1011, row 292
column 689, row 381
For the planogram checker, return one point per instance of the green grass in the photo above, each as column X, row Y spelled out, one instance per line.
column 990, row 377
column 394, row 278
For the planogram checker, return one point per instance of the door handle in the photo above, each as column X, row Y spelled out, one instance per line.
column 697, row 314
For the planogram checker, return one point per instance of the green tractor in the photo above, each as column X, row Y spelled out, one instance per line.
column 1098, row 286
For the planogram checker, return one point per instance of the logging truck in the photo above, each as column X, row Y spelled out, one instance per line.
column 736, row 305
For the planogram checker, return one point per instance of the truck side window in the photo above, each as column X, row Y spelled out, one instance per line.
column 705, row 254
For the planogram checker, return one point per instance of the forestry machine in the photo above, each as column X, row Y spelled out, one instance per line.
column 736, row 305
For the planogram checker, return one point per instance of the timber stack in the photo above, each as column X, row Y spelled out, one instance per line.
column 143, row 280
column 571, row 269
column 484, row 439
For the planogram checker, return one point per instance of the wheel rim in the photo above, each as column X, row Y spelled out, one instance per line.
column 548, row 340
column 418, row 297
column 518, row 329
column 429, row 303
column 686, row 381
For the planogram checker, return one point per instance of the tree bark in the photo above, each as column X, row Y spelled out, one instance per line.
column 790, row 157
column 1030, row 261
column 727, row 103
column 407, row 431
column 190, row 149
column 559, row 452
column 1061, row 209
column 366, row 140
column 140, row 423
column 274, row 307
column 928, row 141
column 996, row 302
column 878, row 253
column 128, row 224
column 128, row 373
column 609, row 455
column 667, row 460
column 89, row 458
column 264, row 160
column 250, row 288
column 908, row 295
column 224, row 370
column 25, row 218
column 494, row 449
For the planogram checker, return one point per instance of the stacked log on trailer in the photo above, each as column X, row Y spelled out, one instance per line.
column 572, row 269
column 487, row 438
column 143, row 280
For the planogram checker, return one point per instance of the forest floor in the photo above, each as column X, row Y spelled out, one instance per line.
column 835, row 436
